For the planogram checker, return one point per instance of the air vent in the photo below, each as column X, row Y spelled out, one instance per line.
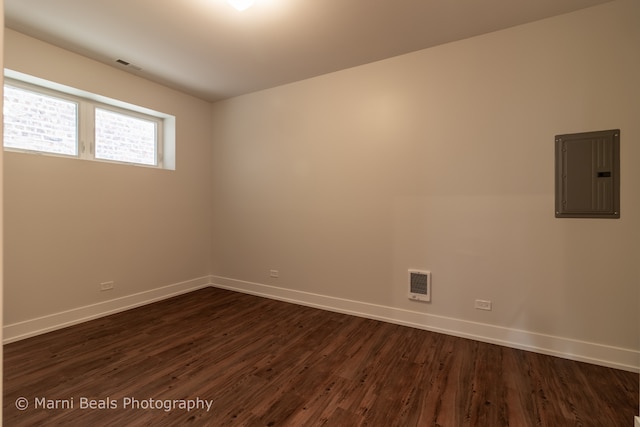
column 128, row 64
column 420, row 285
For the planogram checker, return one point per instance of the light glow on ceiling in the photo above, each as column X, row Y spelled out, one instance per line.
column 241, row 5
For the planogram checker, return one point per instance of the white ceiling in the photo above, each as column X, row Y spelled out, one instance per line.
column 208, row 49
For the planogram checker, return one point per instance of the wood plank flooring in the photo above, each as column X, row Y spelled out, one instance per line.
column 268, row 363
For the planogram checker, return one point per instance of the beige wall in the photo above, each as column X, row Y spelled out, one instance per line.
column 71, row 224
column 443, row 159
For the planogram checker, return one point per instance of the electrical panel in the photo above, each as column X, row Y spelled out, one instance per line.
column 588, row 175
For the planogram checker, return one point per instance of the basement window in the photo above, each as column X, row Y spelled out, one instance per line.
column 46, row 118
column 123, row 137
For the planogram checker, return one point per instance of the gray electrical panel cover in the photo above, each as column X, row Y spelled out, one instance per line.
column 588, row 175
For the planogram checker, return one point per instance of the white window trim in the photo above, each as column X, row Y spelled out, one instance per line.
column 87, row 102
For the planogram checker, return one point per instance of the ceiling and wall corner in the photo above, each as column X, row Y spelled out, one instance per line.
column 208, row 49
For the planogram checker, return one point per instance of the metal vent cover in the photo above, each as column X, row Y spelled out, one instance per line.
column 128, row 64
column 419, row 285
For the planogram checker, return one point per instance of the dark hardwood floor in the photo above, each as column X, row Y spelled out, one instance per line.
column 268, row 363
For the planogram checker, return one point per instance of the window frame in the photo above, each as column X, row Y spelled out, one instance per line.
column 85, row 122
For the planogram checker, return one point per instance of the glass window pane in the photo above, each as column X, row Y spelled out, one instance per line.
column 125, row 138
column 37, row 122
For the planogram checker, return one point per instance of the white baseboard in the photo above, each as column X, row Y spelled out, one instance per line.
column 637, row 422
column 598, row 354
column 41, row 325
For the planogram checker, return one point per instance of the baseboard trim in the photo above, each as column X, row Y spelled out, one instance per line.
column 41, row 325
column 598, row 354
column 614, row 357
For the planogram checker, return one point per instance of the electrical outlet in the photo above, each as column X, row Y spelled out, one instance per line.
column 106, row 286
column 483, row 305
column 274, row 273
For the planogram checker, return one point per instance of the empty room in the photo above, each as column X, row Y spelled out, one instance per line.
column 340, row 213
